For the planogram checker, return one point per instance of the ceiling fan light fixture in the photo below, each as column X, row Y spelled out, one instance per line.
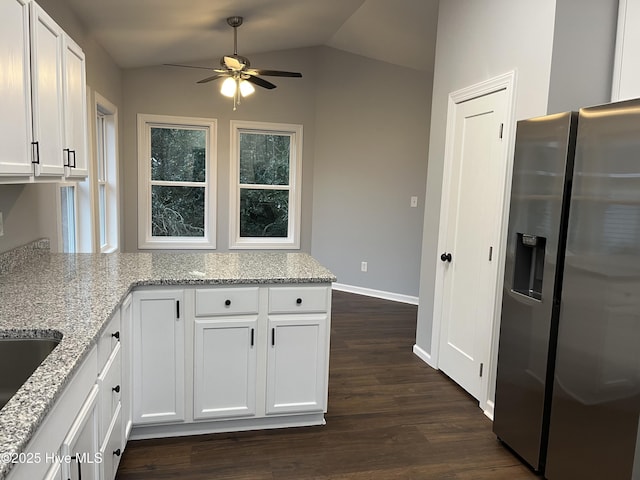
column 246, row 88
column 228, row 88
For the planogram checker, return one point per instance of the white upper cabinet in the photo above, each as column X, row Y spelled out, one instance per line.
column 75, row 109
column 15, row 89
column 46, row 93
column 43, row 121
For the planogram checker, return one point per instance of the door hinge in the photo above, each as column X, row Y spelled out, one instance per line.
column 501, row 129
column 481, row 366
column 490, row 253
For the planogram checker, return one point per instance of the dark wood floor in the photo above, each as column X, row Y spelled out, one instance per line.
column 390, row 417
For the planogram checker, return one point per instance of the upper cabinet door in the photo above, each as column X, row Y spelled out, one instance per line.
column 75, row 109
column 15, row 89
column 47, row 93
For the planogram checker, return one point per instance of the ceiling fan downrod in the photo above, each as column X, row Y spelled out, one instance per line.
column 235, row 22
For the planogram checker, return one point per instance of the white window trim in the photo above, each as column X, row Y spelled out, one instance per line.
column 112, row 213
column 295, row 183
column 145, row 239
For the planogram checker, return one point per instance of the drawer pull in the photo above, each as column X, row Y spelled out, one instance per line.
column 116, row 389
column 227, row 302
column 116, row 335
column 117, row 452
column 299, row 301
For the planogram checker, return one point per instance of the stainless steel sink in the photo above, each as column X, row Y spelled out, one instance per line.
column 19, row 358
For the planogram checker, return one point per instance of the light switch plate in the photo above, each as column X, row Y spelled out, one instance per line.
column 414, row 202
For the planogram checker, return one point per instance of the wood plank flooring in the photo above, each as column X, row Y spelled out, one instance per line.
column 390, row 417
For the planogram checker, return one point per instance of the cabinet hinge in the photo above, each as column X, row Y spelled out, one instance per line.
column 501, row 130
column 481, row 366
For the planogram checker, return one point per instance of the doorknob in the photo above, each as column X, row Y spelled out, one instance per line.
column 446, row 257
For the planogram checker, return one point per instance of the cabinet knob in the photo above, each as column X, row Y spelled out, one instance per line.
column 117, row 452
column 116, row 335
column 299, row 301
column 227, row 302
column 116, row 389
column 446, row 257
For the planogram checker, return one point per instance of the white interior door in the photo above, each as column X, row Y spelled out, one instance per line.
column 472, row 223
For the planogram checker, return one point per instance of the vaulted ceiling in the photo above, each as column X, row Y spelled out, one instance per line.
column 140, row 33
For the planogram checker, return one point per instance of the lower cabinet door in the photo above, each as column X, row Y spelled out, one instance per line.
column 225, row 367
column 81, row 443
column 158, row 357
column 297, row 364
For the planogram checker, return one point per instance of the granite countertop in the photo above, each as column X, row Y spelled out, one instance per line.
column 74, row 295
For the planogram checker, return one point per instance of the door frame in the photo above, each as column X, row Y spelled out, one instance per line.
column 505, row 82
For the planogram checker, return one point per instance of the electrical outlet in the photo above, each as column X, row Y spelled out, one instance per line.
column 414, row 202
column 363, row 266
column 1, row 225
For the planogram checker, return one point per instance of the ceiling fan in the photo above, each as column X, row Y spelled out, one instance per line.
column 237, row 72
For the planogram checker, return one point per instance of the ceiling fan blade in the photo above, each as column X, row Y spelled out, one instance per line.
column 275, row 73
column 233, row 63
column 261, row 82
column 188, row 66
column 211, row 78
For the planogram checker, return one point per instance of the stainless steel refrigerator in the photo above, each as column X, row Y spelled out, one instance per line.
column 568, row 384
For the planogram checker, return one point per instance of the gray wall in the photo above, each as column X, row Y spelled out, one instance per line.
column 372, row 124
column 173, row 91
column 583, row 54
column 30, row 210
column 478, row 41
column 562, row 52
column 364, row 154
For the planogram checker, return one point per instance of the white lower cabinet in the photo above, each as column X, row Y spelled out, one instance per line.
column 224, row 379
column 185, row 361
column 296, row 364
column 255, row 357
column 158, row 356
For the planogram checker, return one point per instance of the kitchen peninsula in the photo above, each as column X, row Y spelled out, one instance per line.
column 239, row 340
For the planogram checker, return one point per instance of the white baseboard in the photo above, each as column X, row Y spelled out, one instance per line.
column 424, row 356
column 369, row 292
column 489, row 410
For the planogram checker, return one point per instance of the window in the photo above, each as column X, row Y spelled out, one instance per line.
column 265, row 185
column 67, row 205
column 176, row 173
column 106, row 176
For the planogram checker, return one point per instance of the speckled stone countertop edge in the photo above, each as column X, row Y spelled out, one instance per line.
column 25, row 412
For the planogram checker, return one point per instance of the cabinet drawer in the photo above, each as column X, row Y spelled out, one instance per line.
column 226, row 301
column 298, row 299
column 112, row 448
column 110, row 384
column 109, row 338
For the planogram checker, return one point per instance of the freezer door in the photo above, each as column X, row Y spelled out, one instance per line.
column 542, row 170
column 596, row 393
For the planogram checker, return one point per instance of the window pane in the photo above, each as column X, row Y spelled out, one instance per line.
column 264, row 213
column 68, row 217
column 102, row 207
column 264, row 159
column 177, row 211
column 101, row 147
column 178, row 154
